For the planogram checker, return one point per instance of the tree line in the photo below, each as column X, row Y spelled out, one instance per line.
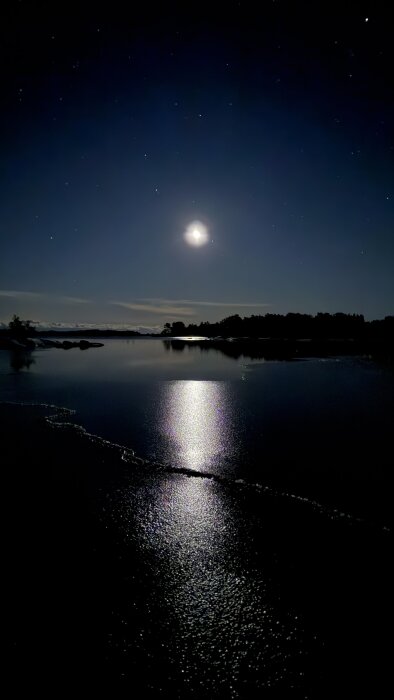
column 291, row 325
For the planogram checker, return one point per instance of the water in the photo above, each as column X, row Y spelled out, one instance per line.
column 319, row 428
column 199, row 587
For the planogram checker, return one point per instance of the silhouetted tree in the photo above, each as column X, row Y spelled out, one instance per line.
column 19, row 329
column 167, row 329
column 178, row 328
column 232, row 325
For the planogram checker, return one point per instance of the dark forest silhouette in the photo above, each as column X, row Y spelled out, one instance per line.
column 291, row 325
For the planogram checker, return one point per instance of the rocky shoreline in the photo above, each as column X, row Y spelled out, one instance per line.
column 30, row 344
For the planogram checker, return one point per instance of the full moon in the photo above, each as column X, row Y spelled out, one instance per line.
column 196, row 234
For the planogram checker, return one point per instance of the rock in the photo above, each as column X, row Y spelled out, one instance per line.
column 81, row 344
column 45, row 343
column 84, row 344
column 13, row 344
column 16, row 344
column 30, row 344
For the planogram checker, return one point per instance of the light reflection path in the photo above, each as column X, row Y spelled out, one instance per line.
column 212, row 608
column 213, row 614
column 195, row 418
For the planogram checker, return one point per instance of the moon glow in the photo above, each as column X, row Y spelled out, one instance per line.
column 196, row 234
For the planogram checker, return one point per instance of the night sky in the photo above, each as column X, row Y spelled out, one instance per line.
column 273, row 126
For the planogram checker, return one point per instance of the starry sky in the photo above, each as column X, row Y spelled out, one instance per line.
column 270, row 124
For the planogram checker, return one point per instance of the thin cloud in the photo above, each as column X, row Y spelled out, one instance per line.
column 32, row 296
column 72, row 300
column 164, row 309
column 189, row 302
column 24, row 296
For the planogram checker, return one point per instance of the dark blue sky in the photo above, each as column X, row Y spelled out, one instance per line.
column 273, row 126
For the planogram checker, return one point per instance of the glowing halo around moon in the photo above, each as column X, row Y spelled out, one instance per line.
column 196, row 234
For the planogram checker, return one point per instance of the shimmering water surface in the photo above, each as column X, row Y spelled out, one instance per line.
column 210, row 588
column 271, row 422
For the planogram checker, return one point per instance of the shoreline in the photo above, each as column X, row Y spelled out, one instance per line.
column 57, row 420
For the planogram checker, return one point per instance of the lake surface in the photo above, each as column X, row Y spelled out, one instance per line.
column 204, row 586
column 319, row 428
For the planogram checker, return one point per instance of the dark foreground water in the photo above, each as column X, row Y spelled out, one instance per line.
column 209, row 585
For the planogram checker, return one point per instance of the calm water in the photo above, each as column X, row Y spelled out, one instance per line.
column 319, row 427
column 190, row 587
